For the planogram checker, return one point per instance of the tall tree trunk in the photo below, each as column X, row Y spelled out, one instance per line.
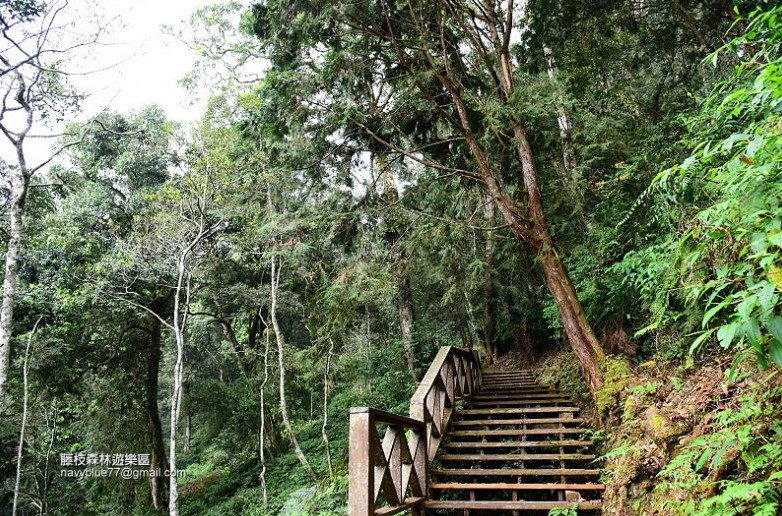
column 262, row 431
column 577, row 328
column 188, row 431
column 19, row 184
column 157, row 462
column 286, row 420
column 565, row 125
column 326, row 388
column 571, row 177
column 406, row 323
column 181, row 307
column 488, row 285
column 392, row 238
column 23, row 427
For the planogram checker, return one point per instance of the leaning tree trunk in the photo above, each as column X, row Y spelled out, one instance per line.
column 577, row 328
column 10, row 280
column 529, row 224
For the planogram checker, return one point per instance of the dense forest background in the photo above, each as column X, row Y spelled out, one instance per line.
column 339, row 213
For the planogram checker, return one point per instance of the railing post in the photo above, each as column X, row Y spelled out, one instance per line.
column 453, row 373
column 361, row 490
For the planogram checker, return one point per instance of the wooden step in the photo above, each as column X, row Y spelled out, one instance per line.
column 510, row 389
column 508, row 373
column 503, row 422
column 511, row 486
column 542, row 472
column 505, row 379
column 522, row 395
column 519, row 444
column 495, row 379
column 516, row 410
column 507, row 506
column 517, row 456
column 530, row 431
column 497, row 395
column 517, row 378
column 511, row 403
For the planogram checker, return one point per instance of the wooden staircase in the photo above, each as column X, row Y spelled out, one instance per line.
column 475, row 443
column 514, row 446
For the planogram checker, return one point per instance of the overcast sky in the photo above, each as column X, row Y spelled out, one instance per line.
column 144, row 64
column 149, row 62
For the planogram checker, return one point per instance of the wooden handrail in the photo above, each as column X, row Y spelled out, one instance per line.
column 455, row 373
column 389, row 476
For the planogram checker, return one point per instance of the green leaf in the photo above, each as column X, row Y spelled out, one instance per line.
column 775, row 352
column 774, row 325
column 711, row 312
column 776, row 239
column 700, row 340
column 726, row 333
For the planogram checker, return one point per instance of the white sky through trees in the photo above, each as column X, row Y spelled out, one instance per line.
column 135, row 65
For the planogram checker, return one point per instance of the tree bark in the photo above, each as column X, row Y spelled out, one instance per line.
column 577, row 328
column 406, row 323
column 19, row 185
column 157, row 462
column 528, row 221
column 286, row 420
column 488, row 285
column 326, row 388
column 180, row 322
column 404, row 292
column 262, row 430
column 565, row 125
column 23, row 427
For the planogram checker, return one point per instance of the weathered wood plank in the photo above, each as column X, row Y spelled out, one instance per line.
column 517, row 456
column 519, row 505
column 516, row 410
column 507, row 486
column 516, row 472
column 531, row 421
column 519, row 444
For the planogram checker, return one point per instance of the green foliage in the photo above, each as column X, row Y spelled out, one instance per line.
column 742, row 455
column 570, row 511
column 728, row 253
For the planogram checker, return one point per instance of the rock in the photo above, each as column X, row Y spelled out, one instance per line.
column 573, row 496
column 660, row 428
